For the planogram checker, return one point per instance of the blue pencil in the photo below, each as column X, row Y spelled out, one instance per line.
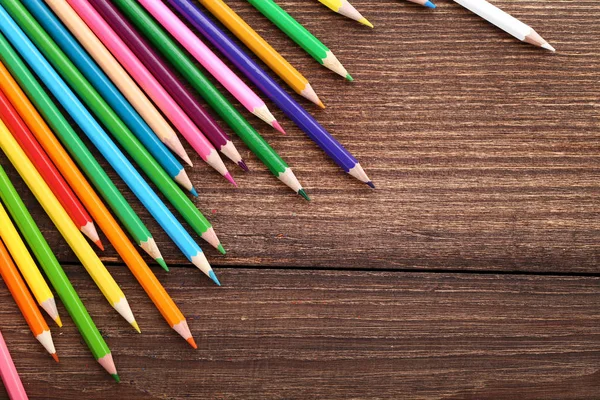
column 270, row 88
column 103, row 143
column 108, row 91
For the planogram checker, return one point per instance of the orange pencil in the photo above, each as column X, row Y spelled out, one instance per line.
column 100, row 213
column 48, row 171
column 29, row 308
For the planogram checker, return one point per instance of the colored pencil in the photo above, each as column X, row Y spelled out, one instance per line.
column 271, row 89
column 188, row 69
column 150, row 85
column 110, row 151
column 346, row 9
column 137, row 265
column 111, row 94
column 147, row 121
column 425, row 3
column 506, row 22
column 105, row 282
column 107, row 116
column 72, row 142
column 46, row 168
column 10, row 376
column 145, row 108
column 168, row 79
column 56, row 275
column 15, row 284
column 300, row 35
column 210, row 61
column 116, row 236
column 262, row 49
column 30, row 271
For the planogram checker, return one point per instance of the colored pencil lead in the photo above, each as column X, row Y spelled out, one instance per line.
column 230, row 179
column 371, row 185
column 221, row 249
column 278, row 127
column 192, row 343
column 429, row 4
column 90, row 231
column 212, row 276
column 366, row 22
column 116, row 378
column 55, row 357
column 184, row 331
column 136, row 327
column 302, row 193
column 243, row 165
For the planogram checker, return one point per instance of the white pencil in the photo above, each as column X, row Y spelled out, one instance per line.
column 505, row 22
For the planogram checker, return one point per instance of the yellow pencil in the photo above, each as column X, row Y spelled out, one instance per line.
column 347, row 10
column 31, row 273
column 109, row 288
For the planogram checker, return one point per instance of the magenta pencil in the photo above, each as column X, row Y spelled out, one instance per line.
column 10, row 376
column 210, row 61
column 150, row 85
column 168, row 79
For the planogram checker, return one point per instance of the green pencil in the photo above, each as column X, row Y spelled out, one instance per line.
column 177, row 57
column 77, row 149
column 300, row 35
column 109, row 118
column 55, row 274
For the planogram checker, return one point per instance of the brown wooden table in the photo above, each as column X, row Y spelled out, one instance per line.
column 471, row 272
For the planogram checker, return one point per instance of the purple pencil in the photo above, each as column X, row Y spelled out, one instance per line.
column 169, row 80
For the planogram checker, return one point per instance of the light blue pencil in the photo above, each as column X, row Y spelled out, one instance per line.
column 104, row 144
column 109, row 92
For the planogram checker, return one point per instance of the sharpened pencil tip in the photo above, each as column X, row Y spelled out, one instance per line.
column 116, row 378
column 429, row 4
column 371, row 184
column 55, row 357
column 230, row 179
column 302, row 193
column 212, row 276
column 548, row 46
column 136, row 326
column 162, row 263
column 278, row 127
column 192, row 342
column 221, row 249
column 365, row 22
column 321, row 104
column 58, row 321
column 349, row 78
column 243, row 166
column 99, row 244
column 193, row 192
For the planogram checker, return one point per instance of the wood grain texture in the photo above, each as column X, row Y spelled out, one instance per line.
column 486, row 154
column 485, row 150
column 272, row 334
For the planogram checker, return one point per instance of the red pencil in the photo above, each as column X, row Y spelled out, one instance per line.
column 47, row 170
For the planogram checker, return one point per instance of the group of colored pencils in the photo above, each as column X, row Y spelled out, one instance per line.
column 128, row 74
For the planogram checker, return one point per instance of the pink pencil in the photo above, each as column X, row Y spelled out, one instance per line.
column 150, row 85
column 210, row 61
column 9, row 374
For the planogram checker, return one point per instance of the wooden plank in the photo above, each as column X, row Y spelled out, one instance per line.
column 273, row 334
column 485, row 150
